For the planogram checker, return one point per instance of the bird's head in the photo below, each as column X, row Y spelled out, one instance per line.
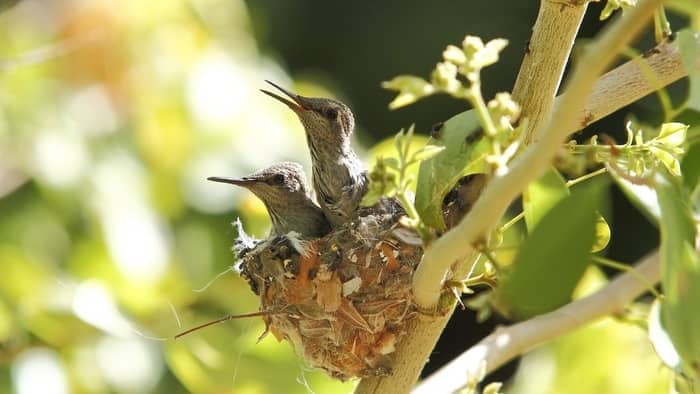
column 323, row 118
column 281, row 183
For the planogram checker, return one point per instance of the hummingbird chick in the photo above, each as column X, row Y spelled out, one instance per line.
column 339, row 177
column 282, row 188
column 459, row 201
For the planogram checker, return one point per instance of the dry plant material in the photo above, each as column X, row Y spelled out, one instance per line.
column 343, row 300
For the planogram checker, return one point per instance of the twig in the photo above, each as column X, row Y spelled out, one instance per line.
column 508, row 342
column 545, row 58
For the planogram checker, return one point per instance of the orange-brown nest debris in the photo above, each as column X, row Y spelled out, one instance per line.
column 343, row 300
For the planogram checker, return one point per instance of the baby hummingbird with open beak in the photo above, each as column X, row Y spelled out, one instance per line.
column 339, row 177
column 282, row 188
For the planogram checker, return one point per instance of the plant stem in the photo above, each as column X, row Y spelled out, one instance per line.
column 586, row 177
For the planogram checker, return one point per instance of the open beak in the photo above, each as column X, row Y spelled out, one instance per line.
column 297, row 102
column 244, row 182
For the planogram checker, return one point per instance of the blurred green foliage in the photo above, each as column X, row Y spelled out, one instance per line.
column 112, row 114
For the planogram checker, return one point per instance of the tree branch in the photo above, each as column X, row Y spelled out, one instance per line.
column 545, row 58
column 657, row 68
column 506, row 343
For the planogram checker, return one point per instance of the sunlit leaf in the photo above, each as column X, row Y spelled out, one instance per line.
column 669, row 161
column 437, row 175
column 410, row 88
column 602, row 234
column 672, row 133
column 426, row 152
column 553, row 258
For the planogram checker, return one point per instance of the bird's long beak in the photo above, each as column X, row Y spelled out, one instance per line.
column 297, row 104
column 243, row 182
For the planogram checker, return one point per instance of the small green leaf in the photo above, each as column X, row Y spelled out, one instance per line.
column 553, row 258
column 689, row 47
column 612, row 5
column 410, row 88
column 673, row 133
column 541, row 195
column 602, row 234
column 680, row 271
column 437, row 175
column 669, row 161
column 426, row 153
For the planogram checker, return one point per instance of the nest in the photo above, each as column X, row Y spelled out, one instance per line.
column 343, row 300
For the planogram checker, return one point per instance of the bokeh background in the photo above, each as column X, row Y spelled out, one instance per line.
column 112, row 114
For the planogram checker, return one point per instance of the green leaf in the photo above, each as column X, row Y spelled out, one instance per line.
column 669, row 160
column 410, row 88
column 541, row 195
column 680, row 271
column 462, row 147
column 689, row 47
column 672, row 133
column 553, row 258
column 425, row 153
column 690, row 167
column 602, row 234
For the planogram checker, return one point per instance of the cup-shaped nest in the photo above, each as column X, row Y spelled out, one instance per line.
column 343, row 300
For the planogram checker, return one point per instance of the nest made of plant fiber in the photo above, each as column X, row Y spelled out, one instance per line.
column 343, row 300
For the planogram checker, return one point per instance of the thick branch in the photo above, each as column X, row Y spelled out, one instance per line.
column 545, row 58
column 508, row 342
column 631, row 81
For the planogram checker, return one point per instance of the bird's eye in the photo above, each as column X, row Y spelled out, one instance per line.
column 278, row 179
column 332, row 113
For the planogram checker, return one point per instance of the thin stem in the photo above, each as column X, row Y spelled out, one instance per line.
column 482, row 110
column 512, row 221
column 626, row 268
column 223, row 319
column 586, row 177
column 481, row 279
